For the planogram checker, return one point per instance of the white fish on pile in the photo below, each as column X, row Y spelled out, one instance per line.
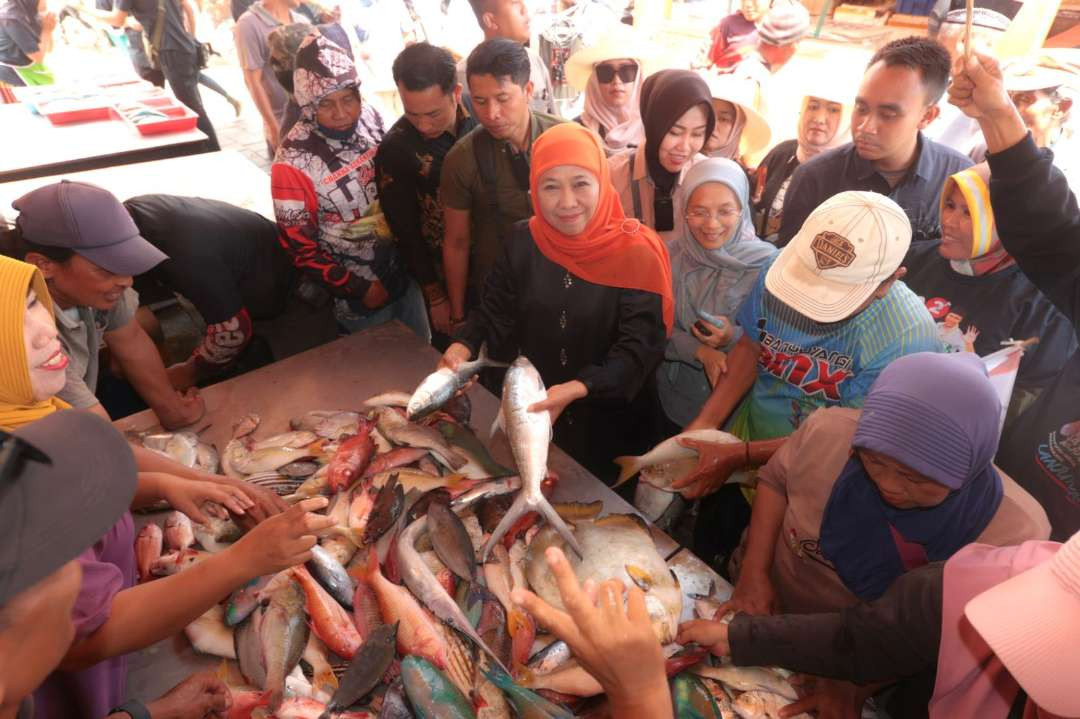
column 747, row 679
column 402, row 432
column 529, row 434
column 761, row 705
column 328, row 424
column 618, row 546
column 669, row 461
column 184, row 448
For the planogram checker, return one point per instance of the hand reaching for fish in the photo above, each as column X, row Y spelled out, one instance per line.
column 612, row 637
column 285, row 539
column 189, row 495
column 753, row 594
column 456, row 354
column 559, row 396
column 263, row 502
column 716, row 462
column 708, row 633
column 200, row 695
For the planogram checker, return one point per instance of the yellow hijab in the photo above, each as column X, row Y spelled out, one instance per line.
column 17, row 405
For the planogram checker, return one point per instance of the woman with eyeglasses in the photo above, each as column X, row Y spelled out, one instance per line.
column 677, row 112
column 610, row 74
column 715, row 260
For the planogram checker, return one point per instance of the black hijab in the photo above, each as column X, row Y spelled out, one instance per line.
column 665, row 97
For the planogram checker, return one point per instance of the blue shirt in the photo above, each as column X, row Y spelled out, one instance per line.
column 842, row 169
column 805, row 365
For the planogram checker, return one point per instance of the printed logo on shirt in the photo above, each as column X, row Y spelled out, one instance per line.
column 949, row 317
column 813, row 370
column 1059, row 457
column 366, row 174
column 832, row 250
column 807, row 549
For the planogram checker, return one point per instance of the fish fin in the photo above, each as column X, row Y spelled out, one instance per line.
column 499, row 423
column 641, row 578
column 553, row 518
column 623, row 520
column 628, row 467
column 577, row 511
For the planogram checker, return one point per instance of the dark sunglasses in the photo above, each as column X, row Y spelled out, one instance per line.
column 606, row 73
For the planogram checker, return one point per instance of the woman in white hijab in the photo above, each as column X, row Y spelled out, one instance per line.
column 610, row 73
column 824, row 123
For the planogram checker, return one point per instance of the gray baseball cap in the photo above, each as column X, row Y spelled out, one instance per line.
column 89, row 220
column 74, row 479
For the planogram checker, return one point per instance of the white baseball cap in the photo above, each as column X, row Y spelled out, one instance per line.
column 847, row 247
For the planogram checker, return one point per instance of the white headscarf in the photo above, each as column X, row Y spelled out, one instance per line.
column 622, row 125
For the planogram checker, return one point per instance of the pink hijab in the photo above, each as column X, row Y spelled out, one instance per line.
column 622, row 125
column 971, row 680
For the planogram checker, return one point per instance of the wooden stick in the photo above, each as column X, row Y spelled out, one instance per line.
column 967, row 29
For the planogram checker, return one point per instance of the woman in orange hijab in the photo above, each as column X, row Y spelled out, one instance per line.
column 585, row 294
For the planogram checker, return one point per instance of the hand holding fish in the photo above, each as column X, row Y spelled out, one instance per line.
column 559, row 396
column 190, row 495
column 264, row 503
column 454, row 355
column 612, row 638
column 706, row 632
column 200, row 695
column 285, row 539
column 716, row 462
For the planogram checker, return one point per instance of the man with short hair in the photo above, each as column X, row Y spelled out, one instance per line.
column 897, row 100
column 409, row 163
column 253, row 48
column 510, row 19
column 484, row 187
column 822, row 322
column 88, row 249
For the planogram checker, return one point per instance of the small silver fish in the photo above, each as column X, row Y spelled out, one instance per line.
column 440, row 386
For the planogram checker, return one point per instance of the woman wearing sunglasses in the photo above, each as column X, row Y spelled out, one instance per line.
column 611, row 80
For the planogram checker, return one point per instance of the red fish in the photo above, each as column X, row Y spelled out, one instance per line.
column 366, row 614
column 329, row 620
column 522, row 628
column 147, row 549
column 351, row 459
column 394, row 458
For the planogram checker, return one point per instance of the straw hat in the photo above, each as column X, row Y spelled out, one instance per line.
column 756, row 133
column 622, row 41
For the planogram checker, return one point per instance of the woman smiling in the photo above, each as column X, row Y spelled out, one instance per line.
column 715, row 262
column 585, row 294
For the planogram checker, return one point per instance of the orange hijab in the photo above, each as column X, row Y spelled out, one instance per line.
column 612, row 250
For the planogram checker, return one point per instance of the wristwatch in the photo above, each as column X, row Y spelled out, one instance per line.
column 133, row 708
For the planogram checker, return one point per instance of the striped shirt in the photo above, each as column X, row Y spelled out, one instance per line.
column 805, row 365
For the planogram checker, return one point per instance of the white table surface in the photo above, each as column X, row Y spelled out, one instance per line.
column 31, row 142
column 227, row 176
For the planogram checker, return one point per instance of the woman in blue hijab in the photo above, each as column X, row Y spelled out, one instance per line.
column 715, row 260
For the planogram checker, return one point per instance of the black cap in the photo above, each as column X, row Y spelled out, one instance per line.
column 63, row 492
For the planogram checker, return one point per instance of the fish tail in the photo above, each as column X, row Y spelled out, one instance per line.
column 485, row 361
column 518, row 508
column 553, row 518
column 628, row 467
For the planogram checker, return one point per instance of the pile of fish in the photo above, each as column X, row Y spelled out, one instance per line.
column 404, row 609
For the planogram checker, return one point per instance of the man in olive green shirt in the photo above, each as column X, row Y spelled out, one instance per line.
column 484, row 188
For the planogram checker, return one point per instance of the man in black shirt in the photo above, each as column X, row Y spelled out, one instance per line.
column 896, row 101
column 409, row 163
column 177, row 52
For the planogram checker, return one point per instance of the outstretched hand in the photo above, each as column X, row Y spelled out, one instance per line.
column 610, row 634
column 717, row 461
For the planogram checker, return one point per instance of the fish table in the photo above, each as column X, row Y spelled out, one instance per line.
column 34, row 147
column 225, row 175
column 340, row 375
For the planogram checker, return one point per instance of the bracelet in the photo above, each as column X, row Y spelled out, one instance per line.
column 133, row 708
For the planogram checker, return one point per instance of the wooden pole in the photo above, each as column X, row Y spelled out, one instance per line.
column 967, row 29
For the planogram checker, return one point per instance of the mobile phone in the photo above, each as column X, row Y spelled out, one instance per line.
column 700, row 326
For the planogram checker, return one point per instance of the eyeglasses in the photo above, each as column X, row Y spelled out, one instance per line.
column 699, row 214
column 13, row 451
column 606, row 72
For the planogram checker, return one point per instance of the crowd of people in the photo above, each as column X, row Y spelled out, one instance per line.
column 671, row 259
